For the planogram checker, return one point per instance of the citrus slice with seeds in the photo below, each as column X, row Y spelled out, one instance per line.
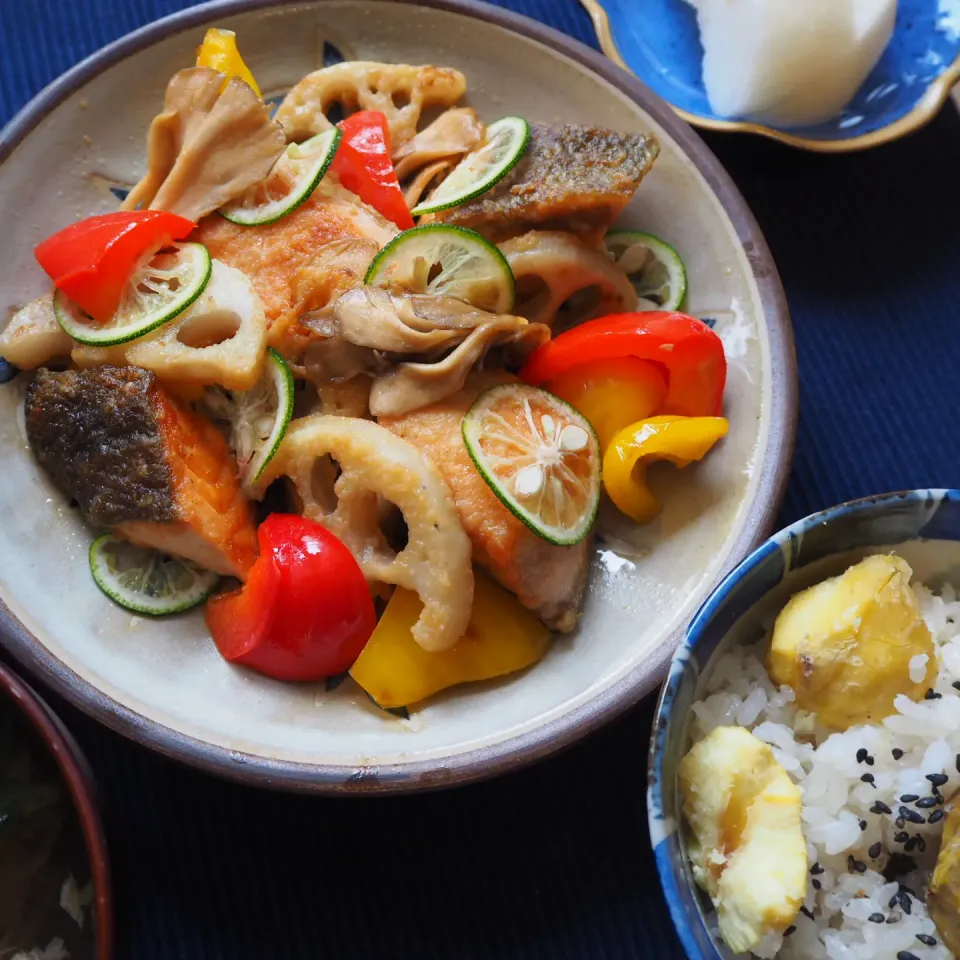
column 651, row 265
column 540, row 456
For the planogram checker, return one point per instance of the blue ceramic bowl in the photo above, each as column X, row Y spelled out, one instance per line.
column 660, row 42
column 923, row 526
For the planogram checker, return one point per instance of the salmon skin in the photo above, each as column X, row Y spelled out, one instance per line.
column 548, row 579
column 141, row 463
column 574, row 179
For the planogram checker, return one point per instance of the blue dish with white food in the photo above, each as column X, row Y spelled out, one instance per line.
column 660, row 41
column 849, row 774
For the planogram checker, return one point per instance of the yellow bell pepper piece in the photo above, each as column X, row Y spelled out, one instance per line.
column 219, row 52
column 612, row 394
column 680, row 440
column 502, row 637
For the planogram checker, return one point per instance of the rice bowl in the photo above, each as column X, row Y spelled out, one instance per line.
column 875, row 795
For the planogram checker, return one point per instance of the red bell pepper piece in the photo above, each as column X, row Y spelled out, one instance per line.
column 363, row 163
column 304, row 612
column 91, row 261
column 686, row 348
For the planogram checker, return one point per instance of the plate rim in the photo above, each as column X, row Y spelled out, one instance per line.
column 925, row 109
column 563, row 731
column 81, row 784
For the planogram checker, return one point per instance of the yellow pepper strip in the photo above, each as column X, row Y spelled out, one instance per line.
column 219, row 52
column 612, row 393
column 503, row 637
column 680, row 440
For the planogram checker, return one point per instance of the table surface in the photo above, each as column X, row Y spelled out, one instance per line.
column 553, row 861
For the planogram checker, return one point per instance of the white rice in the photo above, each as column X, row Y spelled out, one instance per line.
column 841, row 820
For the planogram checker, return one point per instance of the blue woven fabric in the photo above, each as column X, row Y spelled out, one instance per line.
column 552, row 862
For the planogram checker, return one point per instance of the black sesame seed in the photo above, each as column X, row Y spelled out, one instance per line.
column 921, row 843
column 870, row 761
column 867, row 778
column 907, row 955
column 955, row 684
column 861, row 754
column 874, row 850
column 927, row 940
column 936, row 816
column 816, row 869
column 807, row 913
column 900, row 822
column 876, row 918
column 937, row 779
column 957, row 762
column 859, row 866
column 909, row 797
column 863, row 825
column 910, row 845
column 925, row 803
column 904, row 899
column 940, row 799
column 789, row 930
column 880, row 807
column 900, row 837
column 898, row 753
column 911, row 816
column 816, row 883
column 894, row 900
column 932, row 694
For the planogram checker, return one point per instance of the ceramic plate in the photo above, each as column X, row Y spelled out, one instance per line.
column 164, row 683
column 660, row 42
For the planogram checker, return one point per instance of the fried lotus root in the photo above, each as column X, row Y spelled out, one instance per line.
column 210, row 144
column 561, row 281
column 375, row 463
column 369, row 86
column 220, row 339
column 33, row 337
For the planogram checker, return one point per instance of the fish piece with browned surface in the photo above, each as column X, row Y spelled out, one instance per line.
column 548, row 579
column 140, row 463
column 572, row 178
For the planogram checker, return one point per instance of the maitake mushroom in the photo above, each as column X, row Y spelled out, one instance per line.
column 418, row 349
column 210, row 144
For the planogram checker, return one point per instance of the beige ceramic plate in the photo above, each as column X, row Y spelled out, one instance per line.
column 164, row 683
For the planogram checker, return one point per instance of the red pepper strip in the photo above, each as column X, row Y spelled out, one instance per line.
column 689, row 351
column 364, row 166
column 305, row 610
column 91, row 261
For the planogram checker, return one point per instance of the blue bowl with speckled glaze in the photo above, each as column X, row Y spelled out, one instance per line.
column 660, row 42
column 923, row 526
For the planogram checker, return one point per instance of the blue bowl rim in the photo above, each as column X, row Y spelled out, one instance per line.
column 925, row 109
column 669, row 881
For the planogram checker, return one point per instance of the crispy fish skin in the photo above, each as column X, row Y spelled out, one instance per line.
column 572, row 178
column 548, row 579
column 139, row 462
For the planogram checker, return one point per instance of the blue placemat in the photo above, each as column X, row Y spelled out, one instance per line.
column 552, row 862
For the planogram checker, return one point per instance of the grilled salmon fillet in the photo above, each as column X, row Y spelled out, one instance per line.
column 548, row 579
column 142, row 464
column 574, row 179
column 274, row 254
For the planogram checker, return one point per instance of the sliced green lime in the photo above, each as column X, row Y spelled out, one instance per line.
column 507, row 141
column 652, row 266
column 258, row 418
column 540, row 456
column 293, row 178
column 146, row 581
column 446, row 261
column 157, row 292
